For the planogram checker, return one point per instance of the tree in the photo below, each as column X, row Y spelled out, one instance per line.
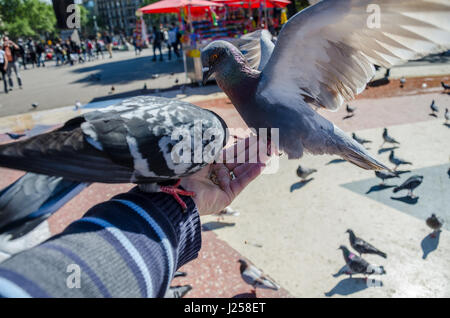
column 296, row 6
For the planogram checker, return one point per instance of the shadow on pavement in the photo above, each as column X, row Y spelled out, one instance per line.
column 335, row 161
column 246, row 295
column 300, row 184
column 381, row 150
column 129, row 70
column 348, row 116
column 380, row 187
column 211, row 226
column 430, row 244
column 350, row 286
column 406, row 199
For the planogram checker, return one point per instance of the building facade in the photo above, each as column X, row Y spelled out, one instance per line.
column 117, row 15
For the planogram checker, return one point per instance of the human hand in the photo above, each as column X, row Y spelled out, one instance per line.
column 213, row 197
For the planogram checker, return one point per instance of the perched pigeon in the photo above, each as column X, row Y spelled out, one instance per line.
column 388, row 139
column 434, row 223
column 324, row 56
column 410, row 184
column 397, row 161
column 350, row 110
column 362, row 141
column 15, row 136
column 357, row 265
column 434, row 108
column 445, row 86
column 128, row 142
column 253, row 276
column 177, row 291
column 304, row 173
column 228, row 211
column 447, row 115
column 383, row 175
column 362, row 247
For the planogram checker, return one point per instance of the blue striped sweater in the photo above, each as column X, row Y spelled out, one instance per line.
column 129, row 246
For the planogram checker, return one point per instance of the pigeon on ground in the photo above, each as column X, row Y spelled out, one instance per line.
column 383, row 175
column 176, row 81
column 410, row 184
column 397, row 161
column 78, row 105
column 362, row 141
column 434, row 108
column 304, row 173
column 323, row 57
column 145, row 87
column 445, row 86
column 255, row 277
column 113, row 89
column 357, row 265
column 388, row 139
column 228, row 211
column 177, row 291
column 34, row 105
column 362, row 247
column 129, row 142
column 15, row 136
column 446, row 115
column 154, row 76
column 402, row 82
column 434, row 223
column 350, row 110
column 448, row 172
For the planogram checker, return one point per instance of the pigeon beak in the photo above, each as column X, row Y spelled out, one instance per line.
column 207, row 71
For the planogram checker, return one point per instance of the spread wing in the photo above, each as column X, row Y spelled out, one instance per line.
column 327, row 51
column 257, row 48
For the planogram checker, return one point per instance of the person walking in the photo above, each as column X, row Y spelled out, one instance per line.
column 158, row 38
column 22, row 53
column 108, row 42
column 40, row 51
column 173, row 45
column 59, row 54
column 3, row 67
column 98, row 49
column 12, row 53
column 31, row 51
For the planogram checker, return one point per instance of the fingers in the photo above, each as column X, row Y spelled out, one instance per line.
column 245, row 174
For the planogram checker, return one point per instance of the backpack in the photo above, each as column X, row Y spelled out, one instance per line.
column 8, row 53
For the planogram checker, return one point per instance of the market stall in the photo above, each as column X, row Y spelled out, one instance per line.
column 204, row 21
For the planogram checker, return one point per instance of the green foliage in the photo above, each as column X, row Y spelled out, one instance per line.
column 24, row 18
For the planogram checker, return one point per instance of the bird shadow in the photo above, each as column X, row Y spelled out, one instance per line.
column 245, row 295
column 430, row 244
column 382, row 150
column 341, row 271
column 335, row 161
column 379, row 82
column 447, row 125
column 379, row 187
column 398, row 172
column 300, row 184
column 433, row 115
column 406, row 199
column 352, row 285
column 211, row 226
column 348, row 116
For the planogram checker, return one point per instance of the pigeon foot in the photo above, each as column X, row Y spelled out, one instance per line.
column 175, row 191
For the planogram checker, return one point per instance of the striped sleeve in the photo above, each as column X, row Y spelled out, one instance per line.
column 129, row 246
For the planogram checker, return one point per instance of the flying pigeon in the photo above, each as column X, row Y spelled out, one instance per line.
column 304, row 173
column 357, row 265
column 397, row 161
column 383, row 175
column 15, row 136
column 410, row 184
column 255, row 277
column 434, row 108
column 445, row 86
column 129, row 142
column 362, row 247
column 434, row 223
column 34, row 105
column 350, row 110
column 323, row 57
column 228, row 211
column 362, row 141
column 388, row 139
column 447, row 115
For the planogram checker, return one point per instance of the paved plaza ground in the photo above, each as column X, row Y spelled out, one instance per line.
column 291, row 229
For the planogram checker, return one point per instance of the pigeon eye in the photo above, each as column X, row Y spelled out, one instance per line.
column 213, row 57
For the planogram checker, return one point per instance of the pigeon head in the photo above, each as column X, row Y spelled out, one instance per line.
column 224, row 60
column 349, row 231
column 342, row 247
